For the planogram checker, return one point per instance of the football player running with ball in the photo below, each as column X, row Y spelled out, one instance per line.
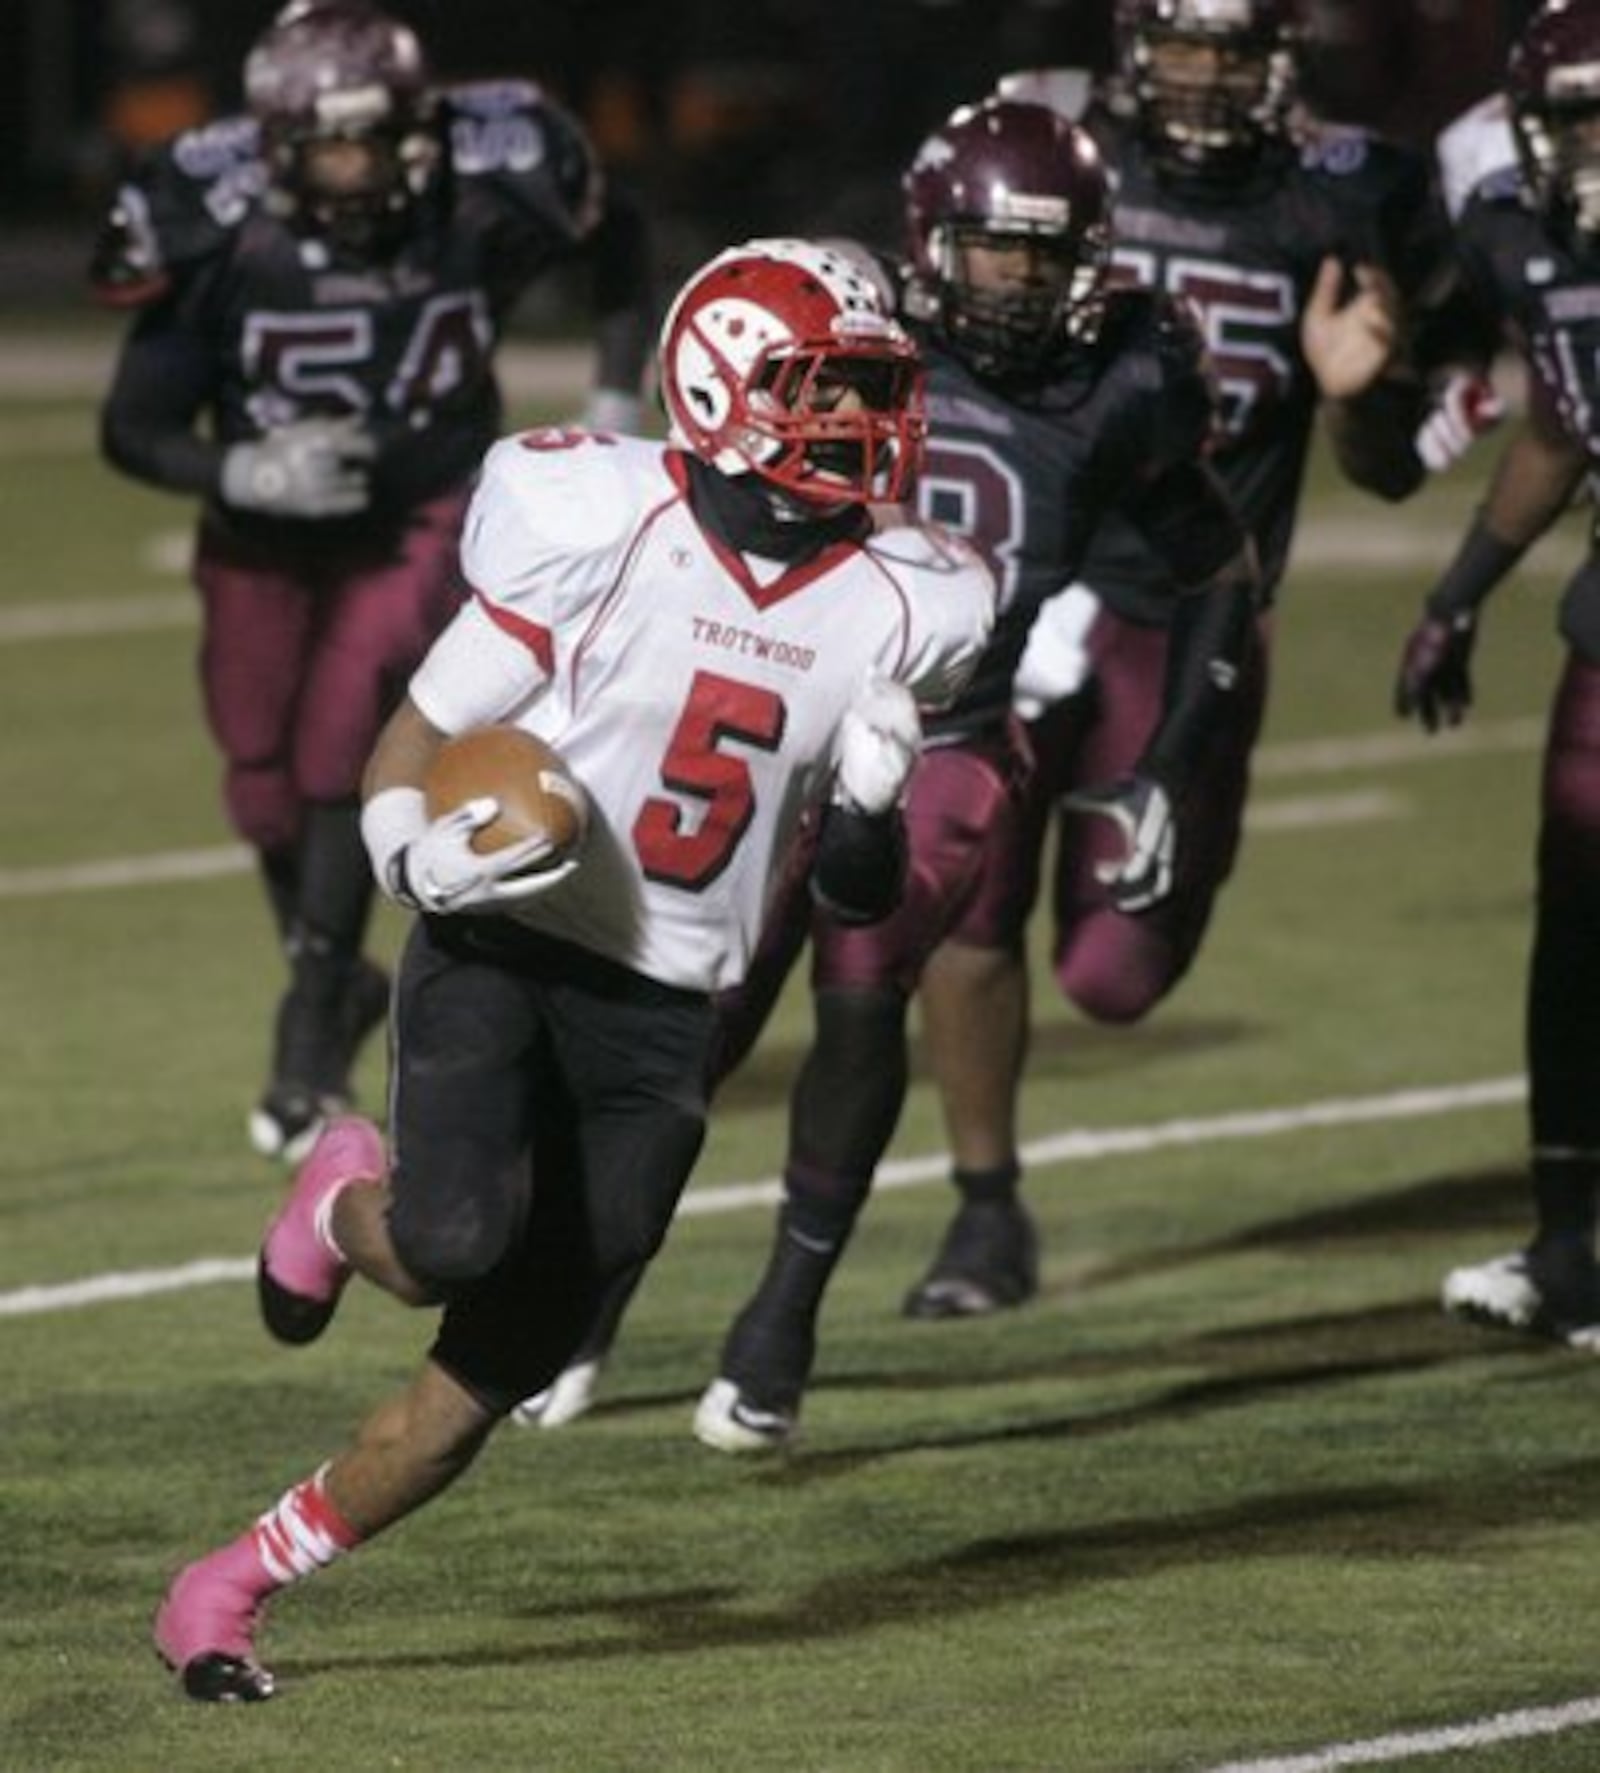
column 716, row 634
column 318, row 287
column 1529, row 241
column 1052, row 400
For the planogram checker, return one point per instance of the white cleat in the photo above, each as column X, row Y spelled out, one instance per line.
column 1503, row 1294
column 567, row 1397
column 1499, row 1292
column 732, row 1423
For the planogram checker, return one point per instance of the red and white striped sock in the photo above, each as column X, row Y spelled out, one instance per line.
column 302, row 1532
column 299, row 1534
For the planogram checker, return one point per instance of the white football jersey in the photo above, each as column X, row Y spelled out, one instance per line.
column 696, row 693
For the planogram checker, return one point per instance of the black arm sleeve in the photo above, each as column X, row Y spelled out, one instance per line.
column 1187, row 517
column 163, row 382
column 1373, row 436
column 1211, row 633
column 623, row 293
column 859, row 872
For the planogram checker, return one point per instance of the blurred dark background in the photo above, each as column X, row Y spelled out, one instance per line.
column 730, row 117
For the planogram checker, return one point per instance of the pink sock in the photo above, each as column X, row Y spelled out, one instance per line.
column 213, row 1605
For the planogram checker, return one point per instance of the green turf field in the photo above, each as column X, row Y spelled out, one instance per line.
column 1232, row 1490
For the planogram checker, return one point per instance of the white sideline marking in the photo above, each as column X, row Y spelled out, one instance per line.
column 907, row 1172
column 1505, row 1726
column 1296, row 814
column 1332, row 757
column 124, row 871
column 1312, row 811
column 98, row 616
column 137, row 1284
column 1310, row 756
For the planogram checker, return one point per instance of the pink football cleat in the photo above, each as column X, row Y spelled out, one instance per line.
column 205, row 1633
column 301, row 1273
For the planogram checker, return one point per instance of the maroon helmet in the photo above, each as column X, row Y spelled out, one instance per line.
column 343, row 72
column 1554, row 86
column 1211, row 80
column 1000, row 176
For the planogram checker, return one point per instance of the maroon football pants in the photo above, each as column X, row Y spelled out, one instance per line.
column 306, row 648
column 1116, row 966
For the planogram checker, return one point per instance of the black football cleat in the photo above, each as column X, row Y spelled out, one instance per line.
column 216, row 1679
column 988, row 1262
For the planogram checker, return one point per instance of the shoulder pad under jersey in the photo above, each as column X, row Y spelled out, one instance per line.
column 1477, row 155
column 1358, row 165
column 577, row 490
column 180, row 205
column 1338, row 150
column 510, row 133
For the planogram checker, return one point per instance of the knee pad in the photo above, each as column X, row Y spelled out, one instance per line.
column 451, row 1245
column 1116, row 969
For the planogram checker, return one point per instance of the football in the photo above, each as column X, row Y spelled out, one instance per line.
column 538, row 795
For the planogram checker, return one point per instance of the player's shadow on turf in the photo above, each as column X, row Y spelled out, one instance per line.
column 1242, row 1366
column 1459, row 1203
column 1437, row 1206
column 1326, row 1523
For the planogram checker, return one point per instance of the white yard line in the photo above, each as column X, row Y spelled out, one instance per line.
column 97, row 617
column 1081, row 1145
column 1296, row 813
column 126, row 871
column 1314, row 812
column 1397, row 744
column 1299, row 813
column 1505, row 1726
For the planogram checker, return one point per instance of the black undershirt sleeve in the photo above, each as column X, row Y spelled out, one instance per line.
column 163, row 382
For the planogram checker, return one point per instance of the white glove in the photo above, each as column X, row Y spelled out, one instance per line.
column 609, row 409
column 879, row 741
column 1055, row 663
column 441, row 872
column 310, row 468
column 1142, row 810
column 1467, row 407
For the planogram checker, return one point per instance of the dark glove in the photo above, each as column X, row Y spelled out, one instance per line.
column 1435, row 680
column 1142, row 810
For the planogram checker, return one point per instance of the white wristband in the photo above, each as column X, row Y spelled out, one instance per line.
column 393, row 818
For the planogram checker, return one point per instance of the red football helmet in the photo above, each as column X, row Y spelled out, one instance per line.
column 780, row 359
column 999, row 175
column 1211, row 80
column 1554, row 85
column 341, row 93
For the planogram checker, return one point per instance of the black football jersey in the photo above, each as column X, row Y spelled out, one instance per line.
column 406, row 343
column 1546, row 298
column 1244, row 258
column 1027, row 475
